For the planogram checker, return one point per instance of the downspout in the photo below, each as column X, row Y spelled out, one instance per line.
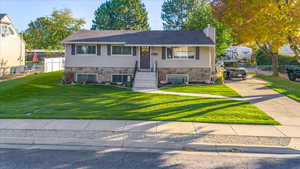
column 1, row 49
column 21, row 47
column 0, row 39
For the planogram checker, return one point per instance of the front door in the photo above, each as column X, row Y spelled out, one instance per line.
column 145, row 58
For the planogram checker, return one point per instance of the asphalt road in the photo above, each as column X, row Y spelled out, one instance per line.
column 103, row 159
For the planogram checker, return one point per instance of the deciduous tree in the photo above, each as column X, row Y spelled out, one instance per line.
column 121, row 15
column 47, row 32
column 267, row 24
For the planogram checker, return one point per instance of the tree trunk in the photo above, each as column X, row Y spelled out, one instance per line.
column 268, row 50
column 275, row 64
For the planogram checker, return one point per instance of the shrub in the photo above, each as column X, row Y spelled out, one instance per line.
column 68, row 77
column 220, row 75
column 264, row 59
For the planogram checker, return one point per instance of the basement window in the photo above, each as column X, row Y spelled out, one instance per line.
column 121, row 78
column 86, row 78
column 177, row 79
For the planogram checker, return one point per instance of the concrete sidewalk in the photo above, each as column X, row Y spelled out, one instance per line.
column 144, row 134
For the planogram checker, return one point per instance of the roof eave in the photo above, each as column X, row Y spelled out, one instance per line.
column 128, row 44
column 106, row 43
column 171, row 45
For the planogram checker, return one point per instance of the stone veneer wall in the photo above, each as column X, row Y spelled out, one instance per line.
column 104, row 74
column 195, row 74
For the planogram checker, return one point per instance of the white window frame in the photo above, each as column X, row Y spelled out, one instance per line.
column 187, row 77
column 90, row 54
column 173, row 52
column 7, row 30
column 111, row 50
column 76, row 74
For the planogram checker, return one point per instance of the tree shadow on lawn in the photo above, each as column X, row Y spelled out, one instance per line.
column 140, row 108
column 109, row 102
column 187, row 108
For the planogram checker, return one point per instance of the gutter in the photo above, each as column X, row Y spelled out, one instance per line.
column 128, row 44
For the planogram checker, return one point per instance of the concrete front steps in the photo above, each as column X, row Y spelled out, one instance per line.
column 145, row 80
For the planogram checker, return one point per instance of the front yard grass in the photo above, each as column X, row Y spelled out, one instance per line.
column 282, row 85
column 42, row 96
column 221, row 90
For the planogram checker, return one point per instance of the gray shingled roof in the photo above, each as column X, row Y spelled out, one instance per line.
column 140, row 37
column 2, row 15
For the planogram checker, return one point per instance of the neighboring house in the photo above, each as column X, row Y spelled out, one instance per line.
column 151, row 57
column 12, row 47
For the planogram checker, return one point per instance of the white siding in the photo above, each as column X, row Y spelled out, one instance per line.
column 99, row 61
column 129, row 61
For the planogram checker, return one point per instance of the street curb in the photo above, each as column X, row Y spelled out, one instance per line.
column 135, row 139
column 245, row 151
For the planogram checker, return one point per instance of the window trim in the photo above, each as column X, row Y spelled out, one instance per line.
column 76, row 75
column 120, row 75
column 173, row 52
column 90, row 54
column 187, row 77
column 7, row 30
column 111, row 50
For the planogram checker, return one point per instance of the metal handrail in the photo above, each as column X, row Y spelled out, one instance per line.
column 134, row 72
column 156, row 72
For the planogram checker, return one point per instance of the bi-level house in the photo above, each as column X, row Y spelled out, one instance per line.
column 148, row 58
column 12, row 47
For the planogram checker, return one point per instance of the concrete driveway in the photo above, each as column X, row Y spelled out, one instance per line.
column 281, row 108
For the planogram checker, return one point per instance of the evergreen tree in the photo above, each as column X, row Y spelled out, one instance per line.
column 175, row 13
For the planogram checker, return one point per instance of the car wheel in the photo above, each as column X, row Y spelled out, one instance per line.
column 291, row 77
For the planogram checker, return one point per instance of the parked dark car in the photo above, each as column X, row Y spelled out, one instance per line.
column 235, row 72
column 293, row 73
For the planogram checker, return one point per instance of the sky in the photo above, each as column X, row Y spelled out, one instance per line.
column 24, row 11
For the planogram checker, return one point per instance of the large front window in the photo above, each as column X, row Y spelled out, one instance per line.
column 121, row 50
column 86, row 49
column 181, row 53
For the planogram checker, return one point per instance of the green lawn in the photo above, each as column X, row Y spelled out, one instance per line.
column 42, row 96
column 221, row 90
column 284, row 86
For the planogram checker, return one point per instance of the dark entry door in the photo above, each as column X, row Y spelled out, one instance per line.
column 145, row 58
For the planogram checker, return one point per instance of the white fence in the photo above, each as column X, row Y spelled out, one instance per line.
column 54, row 64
